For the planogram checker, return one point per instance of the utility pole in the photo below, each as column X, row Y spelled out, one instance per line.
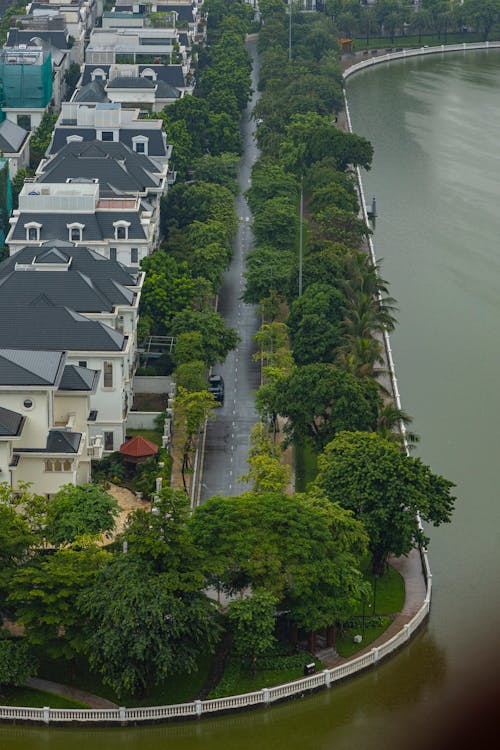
column 300, row 238
column 290, row 31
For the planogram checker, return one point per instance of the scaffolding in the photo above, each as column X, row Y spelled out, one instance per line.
column 25, row 77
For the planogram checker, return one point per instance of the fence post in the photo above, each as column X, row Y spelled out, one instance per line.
column 375, row 654
column 199, row 708
column 407, row 632
column 123, row 717
column 46, row 714
column 328, row 678
column 265, row 696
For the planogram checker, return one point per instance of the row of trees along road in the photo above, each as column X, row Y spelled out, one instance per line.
column 323, row 357
column 400, row 18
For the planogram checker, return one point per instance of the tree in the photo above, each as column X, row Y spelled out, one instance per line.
column 266, row 472
column 16, row 539
column 217, row 339
column 300, row 549
column 16, row 663
column 221, row 169
column 40, row 139
column 252, row 621
column 192, row 376
column 320, row 400
column 189, row 347
column 142, row 627
column 277, row 224
column 385, row 489
column 18, row 183
column 192, row 409
column 315, row 324
column 44, row 591
column 81, row 510
column 483, row 14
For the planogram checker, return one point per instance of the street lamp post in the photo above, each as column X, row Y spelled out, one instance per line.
column 300, row 238
column 290, row 31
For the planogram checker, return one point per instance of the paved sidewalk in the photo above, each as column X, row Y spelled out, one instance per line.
column 92, row 701
column 411, row 569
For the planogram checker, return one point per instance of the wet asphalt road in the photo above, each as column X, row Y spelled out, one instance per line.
column 228, row 435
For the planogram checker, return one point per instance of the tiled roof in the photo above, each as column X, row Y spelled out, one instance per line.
column 77, row 378
column 55, row 328
column 156, row 144
column 98, row 226
column 11, row 423
column 12, row 137
column 92, row 92
column 131, row 82
column 19, row 367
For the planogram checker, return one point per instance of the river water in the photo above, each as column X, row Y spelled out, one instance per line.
column 434, row 124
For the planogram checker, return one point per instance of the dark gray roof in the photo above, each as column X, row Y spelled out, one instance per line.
column 77, row 378
column 19, row 367
column 12, row 137
column 55, row 328
column 61, row 288
column 156, row 144
column 91, row 263
column 58, row 441
column 118, row 168
column 166, row 91
column 92, row 92
column 131, row 82
column 11, row 423
column 171, row 74
column 89, row 69
column 98, row 226
column 56, row 39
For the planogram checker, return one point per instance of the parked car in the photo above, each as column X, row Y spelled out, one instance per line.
column 216, row 387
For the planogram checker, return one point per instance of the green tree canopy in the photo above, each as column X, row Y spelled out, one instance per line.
column 77, row 511
column 302, row 550
column 315, row 324
column 142, row 627
column 218, row 340
column 253, row 621
column 385, row 489
column 16, row 663
column 320, row 400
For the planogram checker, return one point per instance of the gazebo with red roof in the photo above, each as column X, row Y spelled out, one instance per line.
column 138, row 449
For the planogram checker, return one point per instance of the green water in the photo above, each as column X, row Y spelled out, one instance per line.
column 435, row 127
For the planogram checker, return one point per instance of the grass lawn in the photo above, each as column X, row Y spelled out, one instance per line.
column 306, row 465
column 154, row 436
column 345, row 645
column 237, row 680
column 180, row 688
column 24, row 696
column 389, row 597
column 429, row 40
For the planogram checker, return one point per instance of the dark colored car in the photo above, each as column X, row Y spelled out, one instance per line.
column 216, row 388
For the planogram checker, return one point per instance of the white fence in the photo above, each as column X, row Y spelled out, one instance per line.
column 195, row 709
column 407, row 53
column 142, row 420
column 266, row 696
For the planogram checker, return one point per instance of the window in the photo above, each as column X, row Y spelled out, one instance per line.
column 74, row 139
column 121, row 229
column 140, row 144
column 98, row 75
column 24, row 121
column 107, row 375
column 57, row 465
column 134, row 255
column 75, row 232
column 112, row 253
column 83, row 363
column 108, row 441
column 33, row 231
column 48, row 465
column 149, row 74
column 28, row 403
column 107, row 135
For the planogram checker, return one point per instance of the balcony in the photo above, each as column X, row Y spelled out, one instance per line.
column 95, row 448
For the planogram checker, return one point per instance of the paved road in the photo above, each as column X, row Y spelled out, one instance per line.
column 228, row 436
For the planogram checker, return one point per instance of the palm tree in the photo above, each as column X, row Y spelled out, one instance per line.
column 360, row 356
column 390, row 421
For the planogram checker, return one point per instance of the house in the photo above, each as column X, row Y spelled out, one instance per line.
column 14, row 146
column 120, row 228
column 135, row 45
column 44, row 420
column 78, row 277
column 25, row 85
column 120, row 170
column 78, row 14
column 112, row 123
column 89, row 344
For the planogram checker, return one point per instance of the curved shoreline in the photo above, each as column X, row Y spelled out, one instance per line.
column 412, row 617
column 405, row 54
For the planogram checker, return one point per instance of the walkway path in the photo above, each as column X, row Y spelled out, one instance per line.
column 92, row 701
column 411, row 569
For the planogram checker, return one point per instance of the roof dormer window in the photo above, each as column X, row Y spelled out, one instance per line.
column 74, row 138
column 140, row 144
column 149, row 74
column 98, row 74
column 75, row 231
column 121, row 229
column 33, row 231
